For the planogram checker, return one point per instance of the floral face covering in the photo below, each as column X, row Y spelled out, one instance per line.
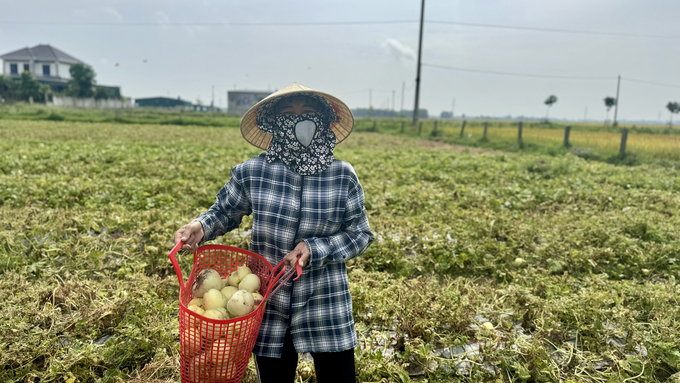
column 305, row 143
column 290, row 137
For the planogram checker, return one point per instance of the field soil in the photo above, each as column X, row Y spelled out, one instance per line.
column 487, row 266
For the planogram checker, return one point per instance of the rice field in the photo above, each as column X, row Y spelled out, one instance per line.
column 645, row 144
column 656, row 145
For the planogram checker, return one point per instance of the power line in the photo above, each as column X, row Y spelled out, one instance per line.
column 649, row 82
column 565, row 77
column 331, row 23
column 555, row 30
column 215, row 24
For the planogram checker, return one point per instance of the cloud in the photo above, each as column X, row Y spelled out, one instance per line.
column 79, row 12
column 399, row 50
column 113, row 12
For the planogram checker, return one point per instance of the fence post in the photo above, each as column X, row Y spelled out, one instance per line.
column 420, row 128
column 519, row 134
column 402, row 126
column 624, row 138
column 375, row 126
column 486, row 127
column 435, row 127
column 462, row 128
column 566, row 136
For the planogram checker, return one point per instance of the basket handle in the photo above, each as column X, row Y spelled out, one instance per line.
column 175, row 264
column 280, row 276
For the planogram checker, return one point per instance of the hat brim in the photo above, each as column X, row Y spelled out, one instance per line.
column 252, row 133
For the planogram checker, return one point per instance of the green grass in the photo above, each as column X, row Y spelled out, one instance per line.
column 646, row 144
column 36, row 112
column 573, row 262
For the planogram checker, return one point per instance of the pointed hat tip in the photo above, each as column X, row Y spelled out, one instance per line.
column 297, row 86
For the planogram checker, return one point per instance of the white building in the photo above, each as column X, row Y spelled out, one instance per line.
column 48, row 65
column 241, row 100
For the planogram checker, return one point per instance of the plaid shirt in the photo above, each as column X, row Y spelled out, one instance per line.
column 326, row 210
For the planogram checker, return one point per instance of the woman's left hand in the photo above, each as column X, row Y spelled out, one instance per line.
column 302, row 250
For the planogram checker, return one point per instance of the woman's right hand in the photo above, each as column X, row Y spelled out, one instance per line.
column 191, row 234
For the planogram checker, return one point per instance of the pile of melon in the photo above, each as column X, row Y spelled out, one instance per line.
column 230, row 298
column 206, row 343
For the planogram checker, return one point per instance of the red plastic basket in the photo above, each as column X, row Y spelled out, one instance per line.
column 217, row 351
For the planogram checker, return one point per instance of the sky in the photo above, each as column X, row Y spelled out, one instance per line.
column 348, row 60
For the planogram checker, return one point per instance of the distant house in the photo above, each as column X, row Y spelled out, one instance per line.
column 48, row 65
column 168, row 102
column 162, row 102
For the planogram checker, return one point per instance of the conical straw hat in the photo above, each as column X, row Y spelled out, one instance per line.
column 342, row 127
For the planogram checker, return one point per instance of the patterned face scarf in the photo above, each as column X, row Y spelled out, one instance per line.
column 305, row 143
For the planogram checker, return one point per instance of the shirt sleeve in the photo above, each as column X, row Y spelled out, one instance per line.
column 231, row 204
column 353, row 238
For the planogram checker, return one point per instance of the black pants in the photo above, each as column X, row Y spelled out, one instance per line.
column 331, row 367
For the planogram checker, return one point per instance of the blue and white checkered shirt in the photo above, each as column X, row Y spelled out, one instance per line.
column 326, row 210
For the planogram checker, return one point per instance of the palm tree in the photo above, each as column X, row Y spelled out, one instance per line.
column 673, row 107
column 550, row 101
column 609, row 102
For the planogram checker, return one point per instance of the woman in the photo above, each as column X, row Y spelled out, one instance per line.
column 304, row 203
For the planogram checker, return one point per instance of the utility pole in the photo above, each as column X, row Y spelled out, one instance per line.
column 453, row 105
column 420, row 52
column 370, row 98
column 403, row 87
column 393, row 100
column 616, row 106
column 226, row 107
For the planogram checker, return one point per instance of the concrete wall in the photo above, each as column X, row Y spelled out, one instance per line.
column 88, row 103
